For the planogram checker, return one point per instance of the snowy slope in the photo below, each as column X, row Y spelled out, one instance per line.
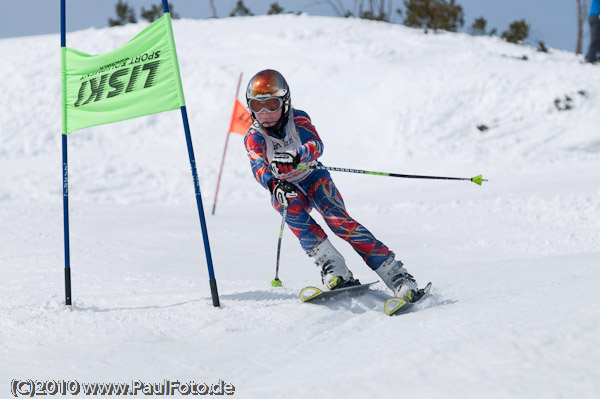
column 515, row 309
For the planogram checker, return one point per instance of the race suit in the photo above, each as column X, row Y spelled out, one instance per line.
column 315, row 188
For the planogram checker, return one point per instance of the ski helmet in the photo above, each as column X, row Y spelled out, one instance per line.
column 268, row 84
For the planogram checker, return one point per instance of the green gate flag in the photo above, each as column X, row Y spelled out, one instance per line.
column 140, row 78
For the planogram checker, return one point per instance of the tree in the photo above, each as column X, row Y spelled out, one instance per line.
column 478, row 27
column 156, row 11
column 433, row 14
column 213, row 8
column 517, row 32
column 275, row 9
column 240, row 10
column 125, row 15
column 378, row 10
column 152, row 14
column 583, row 7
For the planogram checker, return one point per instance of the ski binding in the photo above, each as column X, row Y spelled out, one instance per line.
column 399, row 305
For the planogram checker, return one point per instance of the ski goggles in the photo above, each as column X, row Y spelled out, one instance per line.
column 270, row 104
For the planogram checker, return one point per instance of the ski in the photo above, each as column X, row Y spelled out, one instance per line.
column 400, row 305
column 311, row 293
column 393, row 306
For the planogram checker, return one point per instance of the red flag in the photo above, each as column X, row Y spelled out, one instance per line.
column 241, row 119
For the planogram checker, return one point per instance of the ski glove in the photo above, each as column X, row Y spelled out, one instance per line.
column 282, row 191
column 285, row 162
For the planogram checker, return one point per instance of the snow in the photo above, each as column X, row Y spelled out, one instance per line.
column 514, row 310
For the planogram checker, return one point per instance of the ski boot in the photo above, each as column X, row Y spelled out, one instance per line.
column 395, row 276
column 334, row 273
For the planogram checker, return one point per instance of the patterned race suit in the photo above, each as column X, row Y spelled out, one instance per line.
column 316, row 189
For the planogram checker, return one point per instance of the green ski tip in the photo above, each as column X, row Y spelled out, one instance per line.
column 478, row 179
column 276, row 283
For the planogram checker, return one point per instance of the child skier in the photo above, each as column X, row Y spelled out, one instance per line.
column 281, row 138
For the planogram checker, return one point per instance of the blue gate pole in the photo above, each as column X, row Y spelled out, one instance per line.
column 188, row 138
column 65, row 164
column 211, row 273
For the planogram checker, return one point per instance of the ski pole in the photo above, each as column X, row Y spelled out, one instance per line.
column 276, row 282
column 477, row 179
